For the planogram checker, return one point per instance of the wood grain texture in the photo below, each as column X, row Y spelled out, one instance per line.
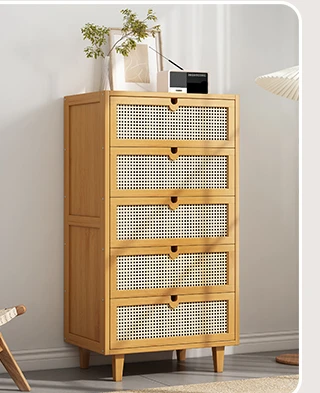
column 12, row 367
column 84, row 220
column 117, row 367
column 85, row 160
column 218, row 359
column 21, row 309
column 84, row 285
column 84, row 355
column 181, row 355
column 91, row 246
column 237, row 216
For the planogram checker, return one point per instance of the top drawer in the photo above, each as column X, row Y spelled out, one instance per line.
column 160, row 121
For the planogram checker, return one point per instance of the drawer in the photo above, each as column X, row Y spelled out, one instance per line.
column 146, row 121
column 163, row 171
column 138, row 222
column 152, row 271
column 175, row 319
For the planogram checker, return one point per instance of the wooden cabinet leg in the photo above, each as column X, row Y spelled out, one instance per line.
column 181, row 355
column 117, row 367
column 12, row 367
column 84, row 357
column 218, row 359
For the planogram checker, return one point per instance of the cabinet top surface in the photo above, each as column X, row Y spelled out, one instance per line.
column 114, row 93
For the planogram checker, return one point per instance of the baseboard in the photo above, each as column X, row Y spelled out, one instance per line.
column 54, row 358
column 258, row 342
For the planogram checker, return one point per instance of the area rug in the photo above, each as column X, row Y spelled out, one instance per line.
column 281, row 384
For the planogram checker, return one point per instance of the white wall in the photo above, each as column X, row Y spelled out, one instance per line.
column 42, row 60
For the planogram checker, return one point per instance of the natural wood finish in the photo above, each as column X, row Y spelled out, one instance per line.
column 218, row 359
column 166, row 151
column 85, row 163
column 105, row 230
column 288, row 358
column 181, row 355
column 84, row 355
column 165, row 100
column 66, row 270
column 21, row 309
column 91, row 198
column 12, row 367
column 114, row 293
column 82, row 221
column 94, row 96
column 83, row 342
column 85, row 285
column 207, row 342
column 170, row 340
column 82, row 99
column 202, row 97
column 117, row 367
column 237, row 216
column 84, row 217
column 114, row 202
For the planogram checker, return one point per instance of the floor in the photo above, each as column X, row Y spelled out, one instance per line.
column 152, row 374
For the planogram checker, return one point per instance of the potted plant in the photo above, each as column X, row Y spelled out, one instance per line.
column 133, row 31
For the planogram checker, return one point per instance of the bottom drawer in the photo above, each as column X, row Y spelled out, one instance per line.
column 167, row 320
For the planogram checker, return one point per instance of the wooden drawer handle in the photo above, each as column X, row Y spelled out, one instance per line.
column 173, row 155
column 174, row 105
column 174, row 301
column 174, row 203
column 174, row 253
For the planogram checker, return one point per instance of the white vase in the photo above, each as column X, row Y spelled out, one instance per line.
column 105, row 81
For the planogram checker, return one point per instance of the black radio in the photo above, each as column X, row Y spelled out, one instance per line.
column 182, row 81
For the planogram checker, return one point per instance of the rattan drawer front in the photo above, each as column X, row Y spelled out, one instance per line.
column 178, row 220
column 152, row 271
column 157, row 121
column 161, row 171
column 172, row 319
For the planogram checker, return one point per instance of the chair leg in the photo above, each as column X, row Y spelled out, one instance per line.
column 12, row 367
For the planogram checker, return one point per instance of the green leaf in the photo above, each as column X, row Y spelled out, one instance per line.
column 133, row 31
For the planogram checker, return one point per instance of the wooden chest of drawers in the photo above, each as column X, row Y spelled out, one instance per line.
column 151, row 223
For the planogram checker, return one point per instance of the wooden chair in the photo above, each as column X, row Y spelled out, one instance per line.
column 6, row 358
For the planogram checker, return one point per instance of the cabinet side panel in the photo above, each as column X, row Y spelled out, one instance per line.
column 84, row 228
column 84, row 282
column 85, row 162
column 237, row 215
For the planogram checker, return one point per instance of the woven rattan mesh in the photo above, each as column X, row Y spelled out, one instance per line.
column 160, row 320
column 135, row 172
column 159, row 221
column 160, row 271
column 159, row 122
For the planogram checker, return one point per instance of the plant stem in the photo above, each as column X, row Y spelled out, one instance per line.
column 122, row 37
